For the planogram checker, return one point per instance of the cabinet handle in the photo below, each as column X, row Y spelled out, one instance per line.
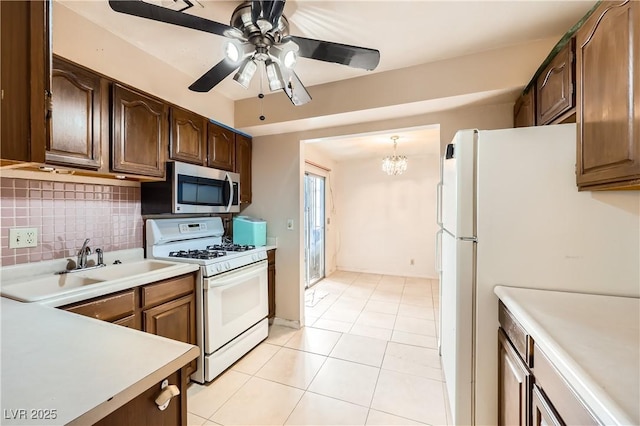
column 553, row 70
column 49, row 101
column 165, row 397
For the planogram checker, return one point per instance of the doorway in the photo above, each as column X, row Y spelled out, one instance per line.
column 314, row 238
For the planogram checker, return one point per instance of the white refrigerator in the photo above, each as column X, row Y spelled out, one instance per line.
column 511, row 214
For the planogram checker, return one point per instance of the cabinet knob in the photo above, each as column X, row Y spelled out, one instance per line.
column 165, row 397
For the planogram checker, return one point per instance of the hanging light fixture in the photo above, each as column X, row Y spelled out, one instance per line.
column 394, row 164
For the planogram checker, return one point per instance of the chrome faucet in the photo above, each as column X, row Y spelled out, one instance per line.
column 100, row 255
column 82, row 255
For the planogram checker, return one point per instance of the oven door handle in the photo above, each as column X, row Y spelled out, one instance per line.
column 230, row 278
column 231, row 194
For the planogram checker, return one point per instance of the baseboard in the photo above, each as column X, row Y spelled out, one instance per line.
column 363, row 271
column 286, row 323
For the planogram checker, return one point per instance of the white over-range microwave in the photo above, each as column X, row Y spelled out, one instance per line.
column 190, row 188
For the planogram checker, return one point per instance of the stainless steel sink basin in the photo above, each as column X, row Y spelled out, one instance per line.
column 123, row 270
column 43, row 287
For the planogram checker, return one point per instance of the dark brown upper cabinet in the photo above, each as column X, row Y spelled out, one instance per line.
column 140, row 133
column 243, row 167
column 608, row 98
column 188, row 136
column 25, row 82
column 555, row 95
column 76, row 116
column 221, row 147
column 524, row 111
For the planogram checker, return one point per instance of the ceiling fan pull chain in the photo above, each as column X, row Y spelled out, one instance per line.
column 261, row 95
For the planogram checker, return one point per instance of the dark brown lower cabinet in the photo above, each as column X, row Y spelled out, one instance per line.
column 271, row 280
column 174, row 320
column 541, row 410
column 514, row 385
column 166, row 308
column 533, row 393
column 118, row 308
column 143, row 411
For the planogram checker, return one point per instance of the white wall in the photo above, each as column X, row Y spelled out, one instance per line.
column 385, row 221
column 278, row 171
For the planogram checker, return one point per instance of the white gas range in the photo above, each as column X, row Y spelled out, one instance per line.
column 231, row 292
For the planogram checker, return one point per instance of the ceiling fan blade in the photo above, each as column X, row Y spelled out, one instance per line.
column 295, row 90
column 214, row 76
column 353, row 56
column 256, row 11
column 157, row 13
column 276, row 12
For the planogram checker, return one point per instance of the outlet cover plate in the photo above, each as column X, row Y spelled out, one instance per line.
column 23, row 237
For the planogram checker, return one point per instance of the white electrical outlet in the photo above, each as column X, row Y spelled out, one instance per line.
column 290, row 224
column 23, row 237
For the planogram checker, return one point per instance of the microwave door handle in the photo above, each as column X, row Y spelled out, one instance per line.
column 231, row 194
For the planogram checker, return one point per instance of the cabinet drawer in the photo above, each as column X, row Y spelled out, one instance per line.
column 129, row 322
column 518, row 337
column 164, row 291
column 565, row 402
column 109, row 308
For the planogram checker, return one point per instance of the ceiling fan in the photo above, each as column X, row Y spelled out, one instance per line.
column 258, row 34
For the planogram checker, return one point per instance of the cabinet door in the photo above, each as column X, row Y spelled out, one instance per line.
column 542, row 412
column 514, row 382
column 524, row 111
column 271, row 280
column 175, row 320
column 142, row 410
column 608, row 110
column 140, row 133
column 25, row 79
column 221, row 148
column 76, row 127
column 188, row 136
column 554, row 87
column 243, row 166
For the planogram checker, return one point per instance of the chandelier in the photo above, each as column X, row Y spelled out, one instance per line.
column 394, row 164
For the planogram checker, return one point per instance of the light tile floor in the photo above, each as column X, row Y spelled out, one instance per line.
column 367, row 355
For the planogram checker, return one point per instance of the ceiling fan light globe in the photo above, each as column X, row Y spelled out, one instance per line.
column 245, row 73
column 274, row 75
column 232, row 51
column 290, row 59
column 286, row 54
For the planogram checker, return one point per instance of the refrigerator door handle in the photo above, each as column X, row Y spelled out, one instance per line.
column 438, row 250
column 439, row 204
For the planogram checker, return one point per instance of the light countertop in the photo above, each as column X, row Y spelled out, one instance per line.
column 80, row 367
column 18, row 282
column 593, row 341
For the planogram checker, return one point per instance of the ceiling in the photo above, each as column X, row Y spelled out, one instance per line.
column 411, row 142
column 406, row 33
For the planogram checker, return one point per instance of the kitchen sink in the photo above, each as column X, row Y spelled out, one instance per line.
column 55, row 289
column 42, row 287
column 122, row 270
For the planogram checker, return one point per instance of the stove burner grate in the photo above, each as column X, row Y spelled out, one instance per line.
column 231, row 247
column 198, row 254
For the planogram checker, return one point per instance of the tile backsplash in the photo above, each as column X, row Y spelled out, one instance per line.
column 65, row 214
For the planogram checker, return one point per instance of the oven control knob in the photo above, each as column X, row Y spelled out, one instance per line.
column 227, row 265
column 254, row 257
column 219, row 268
